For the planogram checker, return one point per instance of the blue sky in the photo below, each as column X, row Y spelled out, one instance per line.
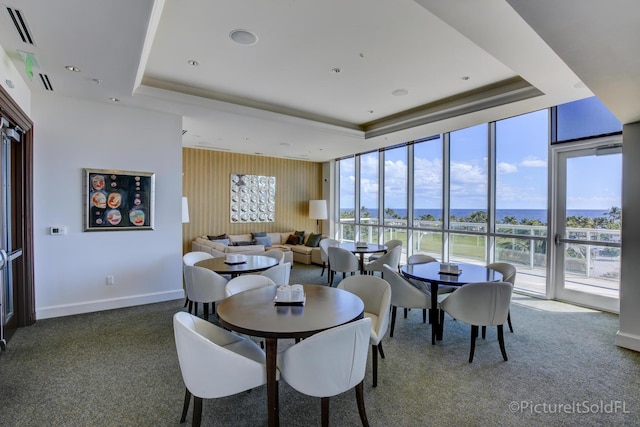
column 521, row 171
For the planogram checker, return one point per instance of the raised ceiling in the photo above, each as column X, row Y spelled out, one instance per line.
column 329, row 78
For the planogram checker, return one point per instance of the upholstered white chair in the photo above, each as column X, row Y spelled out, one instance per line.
column 191, row 258
column 390, row 244
column 279, row 273
column 341, row 261
column 480, row 304
column 508, row 272
column 324, row 254
column 214, row 362
column 276, row 254
column 329, row 363
column 404, row 294
column 423, row 259
column 376, row 295
column 203, row 286
column 420, row 259
column 247, row 282
column 391, row 258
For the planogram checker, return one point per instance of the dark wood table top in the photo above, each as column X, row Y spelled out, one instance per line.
column 255, row 313
column 470, row 273
column 253, row 264
column 371, row 248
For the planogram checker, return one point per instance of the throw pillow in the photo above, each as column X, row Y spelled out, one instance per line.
column 223, row 241
column 263, row 240
column 314, row 240
column 243, row 243
column 259, row 234
column 293, row 239
column 222, row 236
column 300, row 235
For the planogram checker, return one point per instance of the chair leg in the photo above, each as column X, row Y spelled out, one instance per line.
column 324, row 265
column 424, row 315
column 324, row 404
column 205, row 308
column 197, row 411
column 484, row 332
column 501, row 341
column 406, row 311
column 380, row 349
column 474, row 334
column 185, row 407
column 393, row 319
column 190, row 309
column 509, row 321
column 374, row 359
column 360, row 400
column 440, row 322
column 186, row 301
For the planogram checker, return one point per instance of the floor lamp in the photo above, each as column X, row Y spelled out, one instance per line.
column 318, row 211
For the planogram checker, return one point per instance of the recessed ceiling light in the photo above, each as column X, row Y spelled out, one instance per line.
column 193, row 62
column 244, row 37
column 72, row 68
column 370, row 111
column 400, row 92
column 114, row 100
column 336, row 70
column 465, row 77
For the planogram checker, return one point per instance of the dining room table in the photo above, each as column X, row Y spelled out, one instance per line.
column 431, row 273
column 361, row 250
column 251, row 264
column 256, row 313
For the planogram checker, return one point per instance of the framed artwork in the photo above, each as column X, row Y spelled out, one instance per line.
column 118, row 200
column 253, row 198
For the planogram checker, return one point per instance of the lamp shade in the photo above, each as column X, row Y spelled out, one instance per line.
column 318, row 209
column 185, row 210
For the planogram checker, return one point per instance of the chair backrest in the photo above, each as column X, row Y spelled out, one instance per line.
column 342, row 260
column 247, row 282
column 324, row 246
column 337, row 358
column 508, row 271
column 480, row 304
column 375, row 293
column 204, row 285
column 279, row 273
column 390, row 244
column 209, row 367
column 391, row 258
column 420, row 259
column 403, row 293
column 191, row 258
column 276, row 254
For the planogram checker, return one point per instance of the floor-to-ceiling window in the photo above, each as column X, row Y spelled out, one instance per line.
column 347, row 198
column 482, row 194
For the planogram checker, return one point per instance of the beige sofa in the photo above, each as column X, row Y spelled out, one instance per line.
column 292, row 253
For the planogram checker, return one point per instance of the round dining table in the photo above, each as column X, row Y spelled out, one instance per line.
column 370, row 248
column 256, row 313
column 430, row 273
column 253, row 264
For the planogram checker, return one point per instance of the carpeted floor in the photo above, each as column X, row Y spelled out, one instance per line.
column 119, row 368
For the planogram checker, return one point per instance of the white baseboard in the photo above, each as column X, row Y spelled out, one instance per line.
column 632, row 342
column 110, row 304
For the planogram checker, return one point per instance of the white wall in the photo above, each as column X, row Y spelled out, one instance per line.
column 70, row 269
column 20, row 92
column 629, row 333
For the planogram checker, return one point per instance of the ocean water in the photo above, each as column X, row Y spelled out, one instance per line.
column 519, row 214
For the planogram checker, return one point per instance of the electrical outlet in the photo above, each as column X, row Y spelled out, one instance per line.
column 109, row 280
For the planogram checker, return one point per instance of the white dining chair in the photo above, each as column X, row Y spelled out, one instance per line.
column 337, row 359
column 214, row 362
column 203, row 286
column 390, row 244
column 480, row 304
column 247, row 282
column 276, row 254
column 279, row 273
column 391, row 258
column 324, row 254
column 341, row 261
column 190, row 258
column 404, row 294
column 375, row 292
column 508, row 272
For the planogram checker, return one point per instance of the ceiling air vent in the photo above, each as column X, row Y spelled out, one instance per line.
column 46, row 83
column 184, row 131
column 20, row 24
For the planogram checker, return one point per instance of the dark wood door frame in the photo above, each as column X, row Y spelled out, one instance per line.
column 22, row 212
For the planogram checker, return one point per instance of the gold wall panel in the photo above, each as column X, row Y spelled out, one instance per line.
column 206, row 181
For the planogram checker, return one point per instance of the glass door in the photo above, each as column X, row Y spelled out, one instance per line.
column 588, row 219
column 9, row 255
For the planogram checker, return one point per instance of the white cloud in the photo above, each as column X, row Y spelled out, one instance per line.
column 504, row 167
column 533, row 162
